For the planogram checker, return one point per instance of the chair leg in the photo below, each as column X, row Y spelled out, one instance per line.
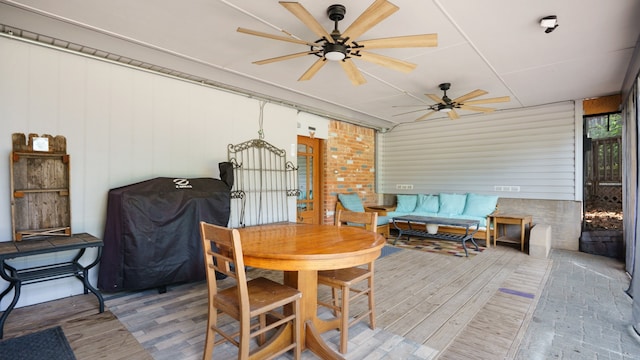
column 210, row 338
column 297, row 325
column 244, row 341
column 344, row 320
column 334, row 296
column 372, row 312
column 262, row 338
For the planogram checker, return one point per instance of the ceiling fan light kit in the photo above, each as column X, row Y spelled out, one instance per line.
column 335, row 52
column 342, row 47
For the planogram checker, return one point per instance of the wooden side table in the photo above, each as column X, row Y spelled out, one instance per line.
column 510, row 219
column 384, row 230
column 380, row 207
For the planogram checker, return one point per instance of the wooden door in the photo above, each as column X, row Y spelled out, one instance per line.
column 309, row 200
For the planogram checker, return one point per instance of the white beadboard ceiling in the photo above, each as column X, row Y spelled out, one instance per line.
column 493, row 45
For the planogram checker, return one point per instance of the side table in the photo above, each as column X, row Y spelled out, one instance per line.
column 384, row 230
column 380, row 207
column 510, row 219
column 18, row 277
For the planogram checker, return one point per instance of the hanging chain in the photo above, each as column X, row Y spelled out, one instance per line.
column 260, row 120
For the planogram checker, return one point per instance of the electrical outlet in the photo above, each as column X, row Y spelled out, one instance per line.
column 506, row 188
column 404, row 187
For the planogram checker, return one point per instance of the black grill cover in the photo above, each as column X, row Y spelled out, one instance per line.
column 152, row 234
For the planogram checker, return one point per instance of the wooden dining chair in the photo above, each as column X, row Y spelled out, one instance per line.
column 254, row 304
column 344, row 280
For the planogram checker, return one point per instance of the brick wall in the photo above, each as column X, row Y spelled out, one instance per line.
column 349, row 164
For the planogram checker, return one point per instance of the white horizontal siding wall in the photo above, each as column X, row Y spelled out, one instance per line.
column 122, row 125
column 528, row 154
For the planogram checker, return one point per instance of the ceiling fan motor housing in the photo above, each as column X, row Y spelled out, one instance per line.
column 337, row 50
column 445, row 86
column 447, row 105
column 336, row 12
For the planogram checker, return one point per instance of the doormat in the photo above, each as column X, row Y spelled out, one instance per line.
column 437, row 246
column 46, row 344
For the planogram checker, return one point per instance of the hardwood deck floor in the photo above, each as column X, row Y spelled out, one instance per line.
column 428, row 305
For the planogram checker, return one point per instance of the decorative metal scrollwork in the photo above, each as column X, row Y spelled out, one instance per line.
column 256, row 143
column 264, row 182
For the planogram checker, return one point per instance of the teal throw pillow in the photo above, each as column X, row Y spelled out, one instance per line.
column 351, row 202
column 480, row 205
column 452, row 204
column 428, row 203
column 406, row 203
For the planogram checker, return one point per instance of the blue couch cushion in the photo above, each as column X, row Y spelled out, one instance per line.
column 480, row 205
column 406, row 203
column 452, row 204
column 392, row 214
column 425, row 213
column 383, row 220
column 351, row 202
column 428, row 203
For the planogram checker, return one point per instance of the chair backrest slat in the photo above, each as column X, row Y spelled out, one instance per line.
column 223, row 253
column 352, row 218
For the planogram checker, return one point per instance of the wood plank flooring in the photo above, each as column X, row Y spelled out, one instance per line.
column 428, row 305
column 91, row 335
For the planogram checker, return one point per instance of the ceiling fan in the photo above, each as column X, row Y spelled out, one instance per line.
column 464, row 102
column 344, row 46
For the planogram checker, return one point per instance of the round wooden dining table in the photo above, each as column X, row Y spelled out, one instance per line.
column 300, row 250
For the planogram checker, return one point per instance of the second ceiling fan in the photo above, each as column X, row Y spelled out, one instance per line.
column 343, row 47
column 464, row 102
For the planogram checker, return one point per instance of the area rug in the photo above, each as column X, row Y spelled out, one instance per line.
column 46, row 344
column 388, row 250
column 437, row 246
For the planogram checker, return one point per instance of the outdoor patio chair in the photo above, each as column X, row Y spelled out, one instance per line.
column 253, row 304
column 348, row 280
